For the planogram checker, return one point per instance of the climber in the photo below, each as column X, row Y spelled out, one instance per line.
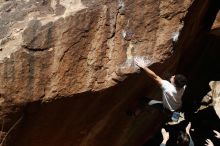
column 172, row 91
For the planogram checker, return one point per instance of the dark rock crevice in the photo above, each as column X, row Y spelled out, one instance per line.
column 199, row 49
column 198, row 54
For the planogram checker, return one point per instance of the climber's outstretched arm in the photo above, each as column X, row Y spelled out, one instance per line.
column 142, row 64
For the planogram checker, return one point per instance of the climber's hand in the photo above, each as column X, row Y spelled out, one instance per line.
column 140, row 62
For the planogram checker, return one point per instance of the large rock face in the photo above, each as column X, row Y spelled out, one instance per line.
column 60, row 48
column 77, row 52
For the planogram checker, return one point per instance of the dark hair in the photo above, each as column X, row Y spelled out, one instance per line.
column 180, row 80
column 183, row 139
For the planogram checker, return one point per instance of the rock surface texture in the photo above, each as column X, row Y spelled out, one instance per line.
column 61, row 48
column 67, row 75
column 212, row 98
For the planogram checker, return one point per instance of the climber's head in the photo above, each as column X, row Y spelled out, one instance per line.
column 178, row 80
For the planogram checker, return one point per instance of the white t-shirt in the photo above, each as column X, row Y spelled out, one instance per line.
column 172, row 98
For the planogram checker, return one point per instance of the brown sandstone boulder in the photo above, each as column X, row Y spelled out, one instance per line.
column 63, row 48
column 75, row 55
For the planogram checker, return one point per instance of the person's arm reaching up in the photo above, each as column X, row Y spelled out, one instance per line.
column 166, row 137
column 188, row 127
column 140, row 62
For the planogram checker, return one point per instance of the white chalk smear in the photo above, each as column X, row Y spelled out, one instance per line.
column 175, row 36
column 148, row 61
